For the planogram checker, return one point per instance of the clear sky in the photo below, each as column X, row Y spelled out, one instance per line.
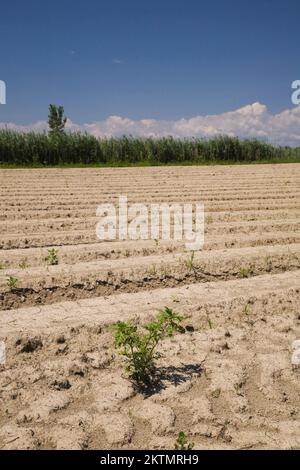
column 160, row 59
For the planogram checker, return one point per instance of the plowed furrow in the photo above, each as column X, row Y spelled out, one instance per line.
column 53, row 283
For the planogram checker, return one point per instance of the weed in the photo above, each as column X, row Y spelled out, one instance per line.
column 216, row 393
column 246, row 271
column 209, row 219
column 139, row 349
column 52, row 257
column 182, row 442
column 12, row 282
column 152, row 270
column 268, row 263
column 165, row 270
column 23, row 264
column 210, row 323
column 247, row 309
column 189, row 262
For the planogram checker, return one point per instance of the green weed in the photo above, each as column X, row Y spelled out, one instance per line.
column 12, row 282
column 247, row 271
column 139, row 348
column 189, row 262
column 182, row 442
column 23, row 264
column 52, row 257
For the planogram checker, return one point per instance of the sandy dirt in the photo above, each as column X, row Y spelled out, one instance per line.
column 226, row 379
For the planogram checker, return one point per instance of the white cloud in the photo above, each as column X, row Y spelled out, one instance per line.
column 251, row 121
column 38, row 126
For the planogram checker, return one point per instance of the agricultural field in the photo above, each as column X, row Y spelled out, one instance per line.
column 227, row 379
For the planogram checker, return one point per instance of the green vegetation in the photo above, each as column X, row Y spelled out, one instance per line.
column 152, row 270
column 52, row 257
column 59, row 148
column 12, row 282
column 56, row 121
column 210, row 323
column 189, row 262
column 182, row 442
column 139, row 348
column 23, row 264
column 247, row 309
column 247, row 271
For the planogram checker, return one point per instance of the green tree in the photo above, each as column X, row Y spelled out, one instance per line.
column 56, row 120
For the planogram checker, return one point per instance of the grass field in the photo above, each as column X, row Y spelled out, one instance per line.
column 76, row 149
column 227, row 379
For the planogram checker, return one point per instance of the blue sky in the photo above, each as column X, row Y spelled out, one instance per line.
column 146, row 59
column 153, row 68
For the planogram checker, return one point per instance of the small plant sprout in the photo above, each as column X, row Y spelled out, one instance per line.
column 247, row 271
column 23, row 264
column 139, row 348
column 210, row 323
column 152, row 270
column 52, row 257
column 12, row 282
column 165, row 270
column 247, row 309
column 189, row 262
column 182, row 442
column 269, row 264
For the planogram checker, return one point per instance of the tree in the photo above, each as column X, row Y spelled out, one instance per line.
column 56, row 120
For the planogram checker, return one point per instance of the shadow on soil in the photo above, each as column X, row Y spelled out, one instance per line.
column 166, row 376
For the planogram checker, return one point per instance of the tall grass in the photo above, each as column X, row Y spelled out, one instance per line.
column 35, row 149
